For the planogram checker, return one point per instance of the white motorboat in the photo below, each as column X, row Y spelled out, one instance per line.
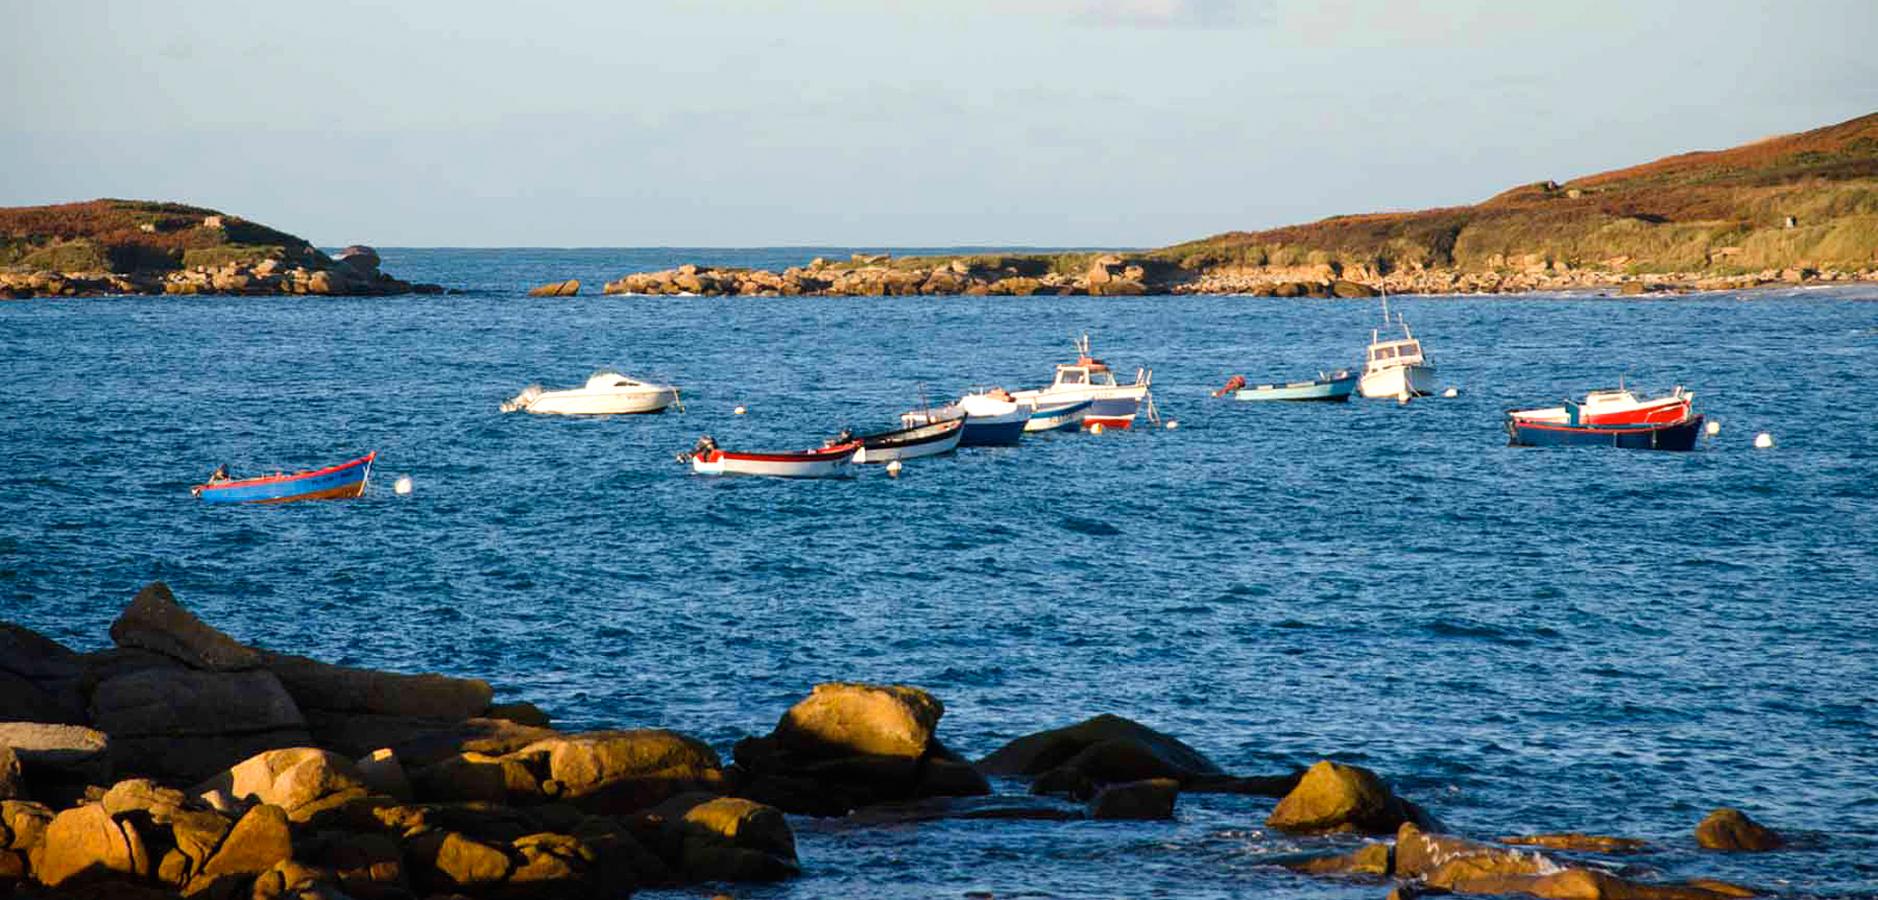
column 1111, row 404
column 1396, row 367
column 606, row 393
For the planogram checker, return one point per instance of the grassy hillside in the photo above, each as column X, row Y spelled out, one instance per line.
column 130, row 236
column 1718, row 212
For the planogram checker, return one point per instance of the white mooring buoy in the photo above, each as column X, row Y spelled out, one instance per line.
column 1173, row 424
column 893, row 468
column 402, row 485
column 738, row 411
column 1763, row 441
column 1095, row 428
column 1451, row 393
column 1713, row 428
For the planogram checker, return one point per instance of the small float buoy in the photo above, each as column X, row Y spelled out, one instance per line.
column 1173, row 424
column 893, row 468
column 738, row 411
column 1713, row 428
column 1763, row 441
column 402, row 485
column 1095, row 428
column 1451, row 393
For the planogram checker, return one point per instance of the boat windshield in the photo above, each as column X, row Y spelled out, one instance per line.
column 1069, row 376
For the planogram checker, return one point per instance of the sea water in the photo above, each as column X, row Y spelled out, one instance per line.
column 1521, row 640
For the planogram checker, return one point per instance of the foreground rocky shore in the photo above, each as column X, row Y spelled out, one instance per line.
column 1132, row 275
column 181, row 762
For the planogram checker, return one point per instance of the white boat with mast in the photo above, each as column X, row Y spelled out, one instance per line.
column 1396, row 367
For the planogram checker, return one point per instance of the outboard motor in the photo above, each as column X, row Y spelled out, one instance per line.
column 704, row 446
column 523, row 399
column 1232, row 384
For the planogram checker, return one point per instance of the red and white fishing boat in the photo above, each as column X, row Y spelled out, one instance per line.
column 707, row 458
column 1614, row 406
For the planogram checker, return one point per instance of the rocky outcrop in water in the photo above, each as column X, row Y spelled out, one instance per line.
column 188, row 763
column 139, row 247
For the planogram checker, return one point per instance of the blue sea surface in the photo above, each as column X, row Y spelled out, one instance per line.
column 1521, row 640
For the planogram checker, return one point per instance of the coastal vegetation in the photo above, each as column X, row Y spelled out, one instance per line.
column 143, row 247
column 183, row 762
column 1794, row 208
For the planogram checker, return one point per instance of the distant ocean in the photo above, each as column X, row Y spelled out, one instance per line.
column 1521, row 640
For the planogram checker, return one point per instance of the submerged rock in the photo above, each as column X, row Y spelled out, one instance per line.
column 1152, row 798
column 1731, row 829
column 728, row 838
column 1586, row 843
column 1106, row 749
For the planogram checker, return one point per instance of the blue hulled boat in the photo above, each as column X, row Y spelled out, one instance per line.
column 341, row 482
column 1333, row 387
column 1045, row 416
column 1679, row 435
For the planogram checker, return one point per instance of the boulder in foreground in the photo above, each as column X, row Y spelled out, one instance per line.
column 851, row 745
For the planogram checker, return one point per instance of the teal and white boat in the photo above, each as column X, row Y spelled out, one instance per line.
column 1332, row 387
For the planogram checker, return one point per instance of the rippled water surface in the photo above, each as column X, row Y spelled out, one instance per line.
column 1523, row 640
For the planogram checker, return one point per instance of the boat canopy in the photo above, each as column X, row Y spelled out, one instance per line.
column 1410, row 350
column 607, row 378
column 1085, row 372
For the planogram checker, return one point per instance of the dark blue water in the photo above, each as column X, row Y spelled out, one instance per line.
column 1523, row 640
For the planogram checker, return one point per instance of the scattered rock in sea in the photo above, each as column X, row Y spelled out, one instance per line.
column 1731, row 829
column 1148, row 799
column 567, row 288
column 852, row 745
column 1334, row 797
column 1107, row 749
column 1575, row 841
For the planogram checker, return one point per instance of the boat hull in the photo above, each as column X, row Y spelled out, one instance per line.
column 827, row 463
column 1002, row 432
column 1395, row 381
column 1113, row 412
column 911, row 443
column 344, row 481
column 1677, row 436
column 1057, row 417
column 584, row 403
column 1328, row 390
column 1003, row 427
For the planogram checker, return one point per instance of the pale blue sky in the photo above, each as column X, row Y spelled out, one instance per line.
column 1040, row 122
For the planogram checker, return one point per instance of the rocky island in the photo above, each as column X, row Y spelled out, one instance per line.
column 141, row 247
column 1799, row 208
column 181, row 762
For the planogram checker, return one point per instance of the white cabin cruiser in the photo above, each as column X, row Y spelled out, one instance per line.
column 1111, row 404
column 605, row 393
column 1396, row 367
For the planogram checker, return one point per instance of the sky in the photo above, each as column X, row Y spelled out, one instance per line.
column 1085, row 123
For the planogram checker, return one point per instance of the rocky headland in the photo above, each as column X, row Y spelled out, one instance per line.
column 1794, row 209
column 138, row 247
column 181, row 762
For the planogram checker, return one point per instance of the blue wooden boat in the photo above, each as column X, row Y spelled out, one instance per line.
column 341, row 482
column 1057, row 416
column 1333, row 387
column 1679, row 435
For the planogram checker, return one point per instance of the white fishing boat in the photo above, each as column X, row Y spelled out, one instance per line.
column 1396, row 367
column 1111, row 404
column 606, row 393
column 907, row 442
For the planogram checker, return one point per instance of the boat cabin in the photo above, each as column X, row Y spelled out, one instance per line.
column 1395, row 353
column 1084, row 372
